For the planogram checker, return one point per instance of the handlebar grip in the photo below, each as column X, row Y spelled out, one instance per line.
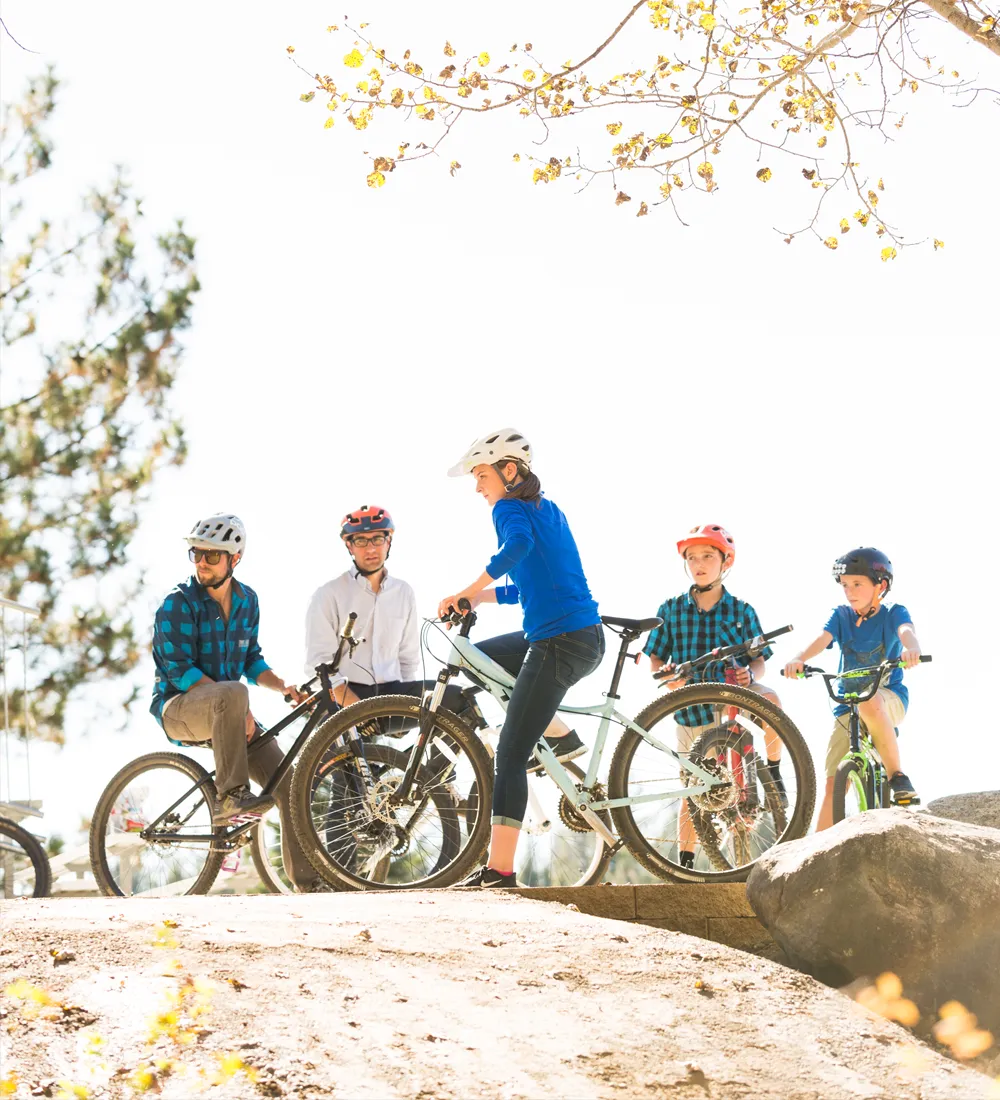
column 924, row 658
column 464, row 606
column 777, row 633
column 349, row 625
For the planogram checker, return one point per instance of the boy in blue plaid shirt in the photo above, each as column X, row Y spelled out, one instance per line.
column 704, row 617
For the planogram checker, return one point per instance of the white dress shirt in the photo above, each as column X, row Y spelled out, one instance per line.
column 387, row 626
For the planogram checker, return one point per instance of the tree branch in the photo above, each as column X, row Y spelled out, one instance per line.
column 949, row 11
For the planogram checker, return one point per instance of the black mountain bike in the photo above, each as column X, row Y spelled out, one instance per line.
column 860, row 782
column 152, row 831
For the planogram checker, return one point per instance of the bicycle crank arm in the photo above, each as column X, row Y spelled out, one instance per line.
column 597, row 825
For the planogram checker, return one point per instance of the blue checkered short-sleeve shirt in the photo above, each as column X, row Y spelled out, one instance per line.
column 191, row 639
column 687, row 633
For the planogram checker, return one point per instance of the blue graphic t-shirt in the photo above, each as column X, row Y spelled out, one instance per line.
column 874, row 641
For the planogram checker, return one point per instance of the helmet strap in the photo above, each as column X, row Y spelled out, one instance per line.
column 225, row 579
column 875, row 605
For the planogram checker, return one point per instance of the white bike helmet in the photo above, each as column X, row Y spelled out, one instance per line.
column 220, row 532
column 507, row 443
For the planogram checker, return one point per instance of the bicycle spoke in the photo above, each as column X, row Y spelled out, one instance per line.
column 354, row 818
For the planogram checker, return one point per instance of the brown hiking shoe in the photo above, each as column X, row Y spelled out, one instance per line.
column 239, row 803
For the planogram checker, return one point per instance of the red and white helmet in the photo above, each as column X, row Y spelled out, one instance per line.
column 366, row 518
column 505, row 444
column 222, row 531
column 710, row 534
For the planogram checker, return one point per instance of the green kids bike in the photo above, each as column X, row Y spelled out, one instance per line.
column 860, row 782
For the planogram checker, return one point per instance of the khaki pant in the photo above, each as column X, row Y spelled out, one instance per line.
column 840, row 740
column 218, row 713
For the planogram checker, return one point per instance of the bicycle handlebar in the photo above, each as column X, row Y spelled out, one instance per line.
column 331, row 669
column 752, row 649
column 879, row 671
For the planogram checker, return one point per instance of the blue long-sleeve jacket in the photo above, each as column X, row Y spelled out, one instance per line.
column 538, row 552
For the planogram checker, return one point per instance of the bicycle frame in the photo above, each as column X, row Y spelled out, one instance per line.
column 322, row 703
column 498, row 682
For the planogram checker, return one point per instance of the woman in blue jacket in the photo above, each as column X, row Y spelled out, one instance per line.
column 562, row 639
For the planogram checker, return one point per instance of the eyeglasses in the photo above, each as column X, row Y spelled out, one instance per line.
column 213, row 557
column 365, row 540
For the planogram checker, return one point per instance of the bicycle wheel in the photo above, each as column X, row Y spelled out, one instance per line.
column 346, row 825
column 265, row 850
column 851, row 784
column 557, row 847
column 176, row 793
column 24, row 866
column 742, row 818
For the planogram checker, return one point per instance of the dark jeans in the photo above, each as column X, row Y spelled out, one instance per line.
column 544, row 672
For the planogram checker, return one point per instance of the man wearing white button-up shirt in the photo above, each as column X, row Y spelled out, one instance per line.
column 387, row 662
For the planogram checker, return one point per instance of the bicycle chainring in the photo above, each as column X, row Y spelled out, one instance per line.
column 569, row 815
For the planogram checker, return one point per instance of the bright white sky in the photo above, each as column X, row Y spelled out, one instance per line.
column 349, row 344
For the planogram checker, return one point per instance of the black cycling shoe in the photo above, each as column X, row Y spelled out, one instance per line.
column 903, row 791
column 687, row 860
column 779, row 785
column 238, row 806
column 486, row 878
column 565, row 748
column 319, row 886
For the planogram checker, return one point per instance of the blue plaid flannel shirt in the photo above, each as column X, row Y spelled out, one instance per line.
column 687, row 633
column 191, row 639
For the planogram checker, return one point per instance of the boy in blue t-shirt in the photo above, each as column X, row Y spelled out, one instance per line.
column 868, row 633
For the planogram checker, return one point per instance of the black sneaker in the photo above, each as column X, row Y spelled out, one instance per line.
column 565, row 748
column 687, row 860
column 779, row 785
column 486, row 878
column 239, row 805
column 903, row 791
column 319, row 886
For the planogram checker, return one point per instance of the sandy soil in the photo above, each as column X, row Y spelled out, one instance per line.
column 426, row 995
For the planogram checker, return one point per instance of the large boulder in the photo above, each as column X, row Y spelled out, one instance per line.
column 980, row 808
column 896, row 891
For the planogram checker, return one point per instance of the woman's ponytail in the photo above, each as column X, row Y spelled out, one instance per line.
column 529, row 489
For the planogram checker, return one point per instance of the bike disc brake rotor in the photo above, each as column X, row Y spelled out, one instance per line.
column 570, row 816
column 379, row 805
column 718, row 798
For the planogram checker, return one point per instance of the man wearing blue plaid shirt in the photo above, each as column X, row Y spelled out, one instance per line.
column 705, row 617
column 204, row 642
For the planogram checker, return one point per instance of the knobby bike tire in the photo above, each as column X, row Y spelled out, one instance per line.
column 98, row 827
column 319, row 744
column 33, row 849
column 850, row 768
column 724, row 695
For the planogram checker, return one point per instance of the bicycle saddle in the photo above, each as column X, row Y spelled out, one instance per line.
column 640, row 626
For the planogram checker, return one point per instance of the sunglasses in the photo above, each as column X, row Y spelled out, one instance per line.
column 213, row 557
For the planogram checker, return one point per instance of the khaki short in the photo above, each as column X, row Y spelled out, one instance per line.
column 687, row 735
column 840, row 739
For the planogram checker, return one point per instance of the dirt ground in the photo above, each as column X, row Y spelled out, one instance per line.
column 423, row 995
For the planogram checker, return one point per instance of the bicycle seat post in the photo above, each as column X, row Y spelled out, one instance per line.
column 628, row 637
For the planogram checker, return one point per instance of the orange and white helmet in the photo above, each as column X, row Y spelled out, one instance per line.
column 710, row 534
